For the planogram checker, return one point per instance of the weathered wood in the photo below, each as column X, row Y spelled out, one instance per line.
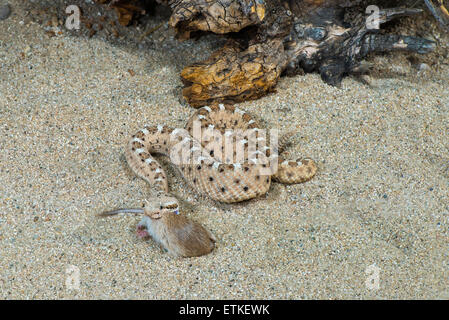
column 214, row 16
column 294, row 36
column 232, row 74
column 125, row 9
column 439, row 11
column 271, row 38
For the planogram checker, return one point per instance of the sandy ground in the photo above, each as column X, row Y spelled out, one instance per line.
column 68, row 104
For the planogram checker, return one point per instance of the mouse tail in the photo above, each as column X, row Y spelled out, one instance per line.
column 118, row 211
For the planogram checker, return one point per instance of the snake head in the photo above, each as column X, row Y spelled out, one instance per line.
column 155, row 208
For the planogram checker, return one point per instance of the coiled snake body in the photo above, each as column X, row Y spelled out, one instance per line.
column 209, row 164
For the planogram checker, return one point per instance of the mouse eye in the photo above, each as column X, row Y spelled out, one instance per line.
column 161, row 207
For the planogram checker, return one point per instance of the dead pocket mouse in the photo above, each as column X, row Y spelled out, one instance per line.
column 180, row 236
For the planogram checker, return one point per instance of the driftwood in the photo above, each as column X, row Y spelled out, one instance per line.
column 270, row 38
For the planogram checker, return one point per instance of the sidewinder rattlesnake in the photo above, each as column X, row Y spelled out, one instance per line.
column 222, row 153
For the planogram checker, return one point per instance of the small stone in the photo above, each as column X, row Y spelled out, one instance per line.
column 5, row 11
column 423, row 67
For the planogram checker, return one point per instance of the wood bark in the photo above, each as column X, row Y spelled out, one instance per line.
column 270, row 38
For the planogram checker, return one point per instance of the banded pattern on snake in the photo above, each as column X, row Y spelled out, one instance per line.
column 208, row 163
